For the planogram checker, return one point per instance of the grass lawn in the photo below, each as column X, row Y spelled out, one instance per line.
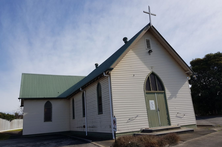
column 10, row 131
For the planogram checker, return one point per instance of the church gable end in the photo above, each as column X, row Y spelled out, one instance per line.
column 128, row 79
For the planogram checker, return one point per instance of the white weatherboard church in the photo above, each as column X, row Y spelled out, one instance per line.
column 144, row 84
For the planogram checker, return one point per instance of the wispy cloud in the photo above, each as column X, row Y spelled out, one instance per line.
column 68, row 37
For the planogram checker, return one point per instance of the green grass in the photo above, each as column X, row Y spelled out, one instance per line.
column 4, row 136
column 7, row 134
column 17, row 130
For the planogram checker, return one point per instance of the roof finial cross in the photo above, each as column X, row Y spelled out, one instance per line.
column 149, row 14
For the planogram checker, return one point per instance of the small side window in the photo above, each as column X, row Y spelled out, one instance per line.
column 83, row 104
column 148, row 44
column 48, row 112
column 73, row 109
column 99, row 99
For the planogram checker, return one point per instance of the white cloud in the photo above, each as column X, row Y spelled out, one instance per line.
column 68, row 38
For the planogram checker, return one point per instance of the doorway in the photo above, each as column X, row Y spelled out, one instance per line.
column 156, row 104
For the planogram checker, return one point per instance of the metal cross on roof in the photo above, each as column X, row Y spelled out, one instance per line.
column 149, row 14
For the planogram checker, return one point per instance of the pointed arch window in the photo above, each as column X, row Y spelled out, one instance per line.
column 83, row 104
column 154, row 83
column 48, row 111
column 99, row 99
column 73, row 109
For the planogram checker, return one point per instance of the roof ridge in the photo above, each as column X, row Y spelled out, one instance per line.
column 52, row 75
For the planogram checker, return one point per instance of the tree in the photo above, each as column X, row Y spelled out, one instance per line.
column 19, row 113
column 7, row 116
column 206, row 84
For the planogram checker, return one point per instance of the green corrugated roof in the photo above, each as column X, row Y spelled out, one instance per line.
column 47, row 86
column 106, row 65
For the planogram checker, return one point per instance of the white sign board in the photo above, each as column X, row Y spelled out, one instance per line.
column 152, row 105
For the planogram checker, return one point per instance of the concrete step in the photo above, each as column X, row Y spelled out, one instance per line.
column 180, row 130
column 158, row 129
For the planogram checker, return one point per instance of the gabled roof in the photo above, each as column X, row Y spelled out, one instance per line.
column 46, row 86
column 110, row 63
column 107, row 65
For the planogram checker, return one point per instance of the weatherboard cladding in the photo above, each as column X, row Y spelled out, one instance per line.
column 47, row 86
column 106, row 65
column 128, row 77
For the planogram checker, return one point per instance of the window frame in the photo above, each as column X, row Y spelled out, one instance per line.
column 150, row 44
column 73, row 108
column 48, row 116
column 156, row 79
column 99, row 99
column 83, row 105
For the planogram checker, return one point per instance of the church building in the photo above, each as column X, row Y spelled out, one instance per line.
column 144, row 84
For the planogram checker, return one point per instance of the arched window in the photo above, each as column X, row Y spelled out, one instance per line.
column 48, row 111
column 99, row 99
column 83, row 104
column 153, row 83
column 73, row 109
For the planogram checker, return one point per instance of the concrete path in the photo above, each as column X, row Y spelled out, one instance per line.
column 214, row 121
column 210, row 140
column 207, row 134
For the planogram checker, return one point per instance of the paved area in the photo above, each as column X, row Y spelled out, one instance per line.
column 214, row 121
column 207, row 134
column 206, row 126
column 210, row 140
column 45, row 141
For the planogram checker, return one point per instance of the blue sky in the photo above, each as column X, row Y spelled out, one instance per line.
column 66, row 37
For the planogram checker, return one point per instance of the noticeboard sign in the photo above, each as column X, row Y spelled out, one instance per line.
column 152, row 105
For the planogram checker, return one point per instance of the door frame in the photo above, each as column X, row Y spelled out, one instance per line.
column 154, row 92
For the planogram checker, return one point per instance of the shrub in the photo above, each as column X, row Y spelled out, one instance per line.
column 123, row 141
column 134, row 144
column 146, row 141
column 172, row 138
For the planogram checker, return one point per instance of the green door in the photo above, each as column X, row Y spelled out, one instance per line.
column 163, row 113
column 152, row 110
column 156, row 104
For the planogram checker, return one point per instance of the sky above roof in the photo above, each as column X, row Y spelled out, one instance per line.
column 66, row 37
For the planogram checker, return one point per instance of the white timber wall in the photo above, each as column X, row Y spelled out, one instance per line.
column 128, row 79
column 33, row 118
column 95, row 122
column 10, row 125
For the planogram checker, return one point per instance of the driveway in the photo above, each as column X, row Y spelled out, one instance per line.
column 45, row 141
